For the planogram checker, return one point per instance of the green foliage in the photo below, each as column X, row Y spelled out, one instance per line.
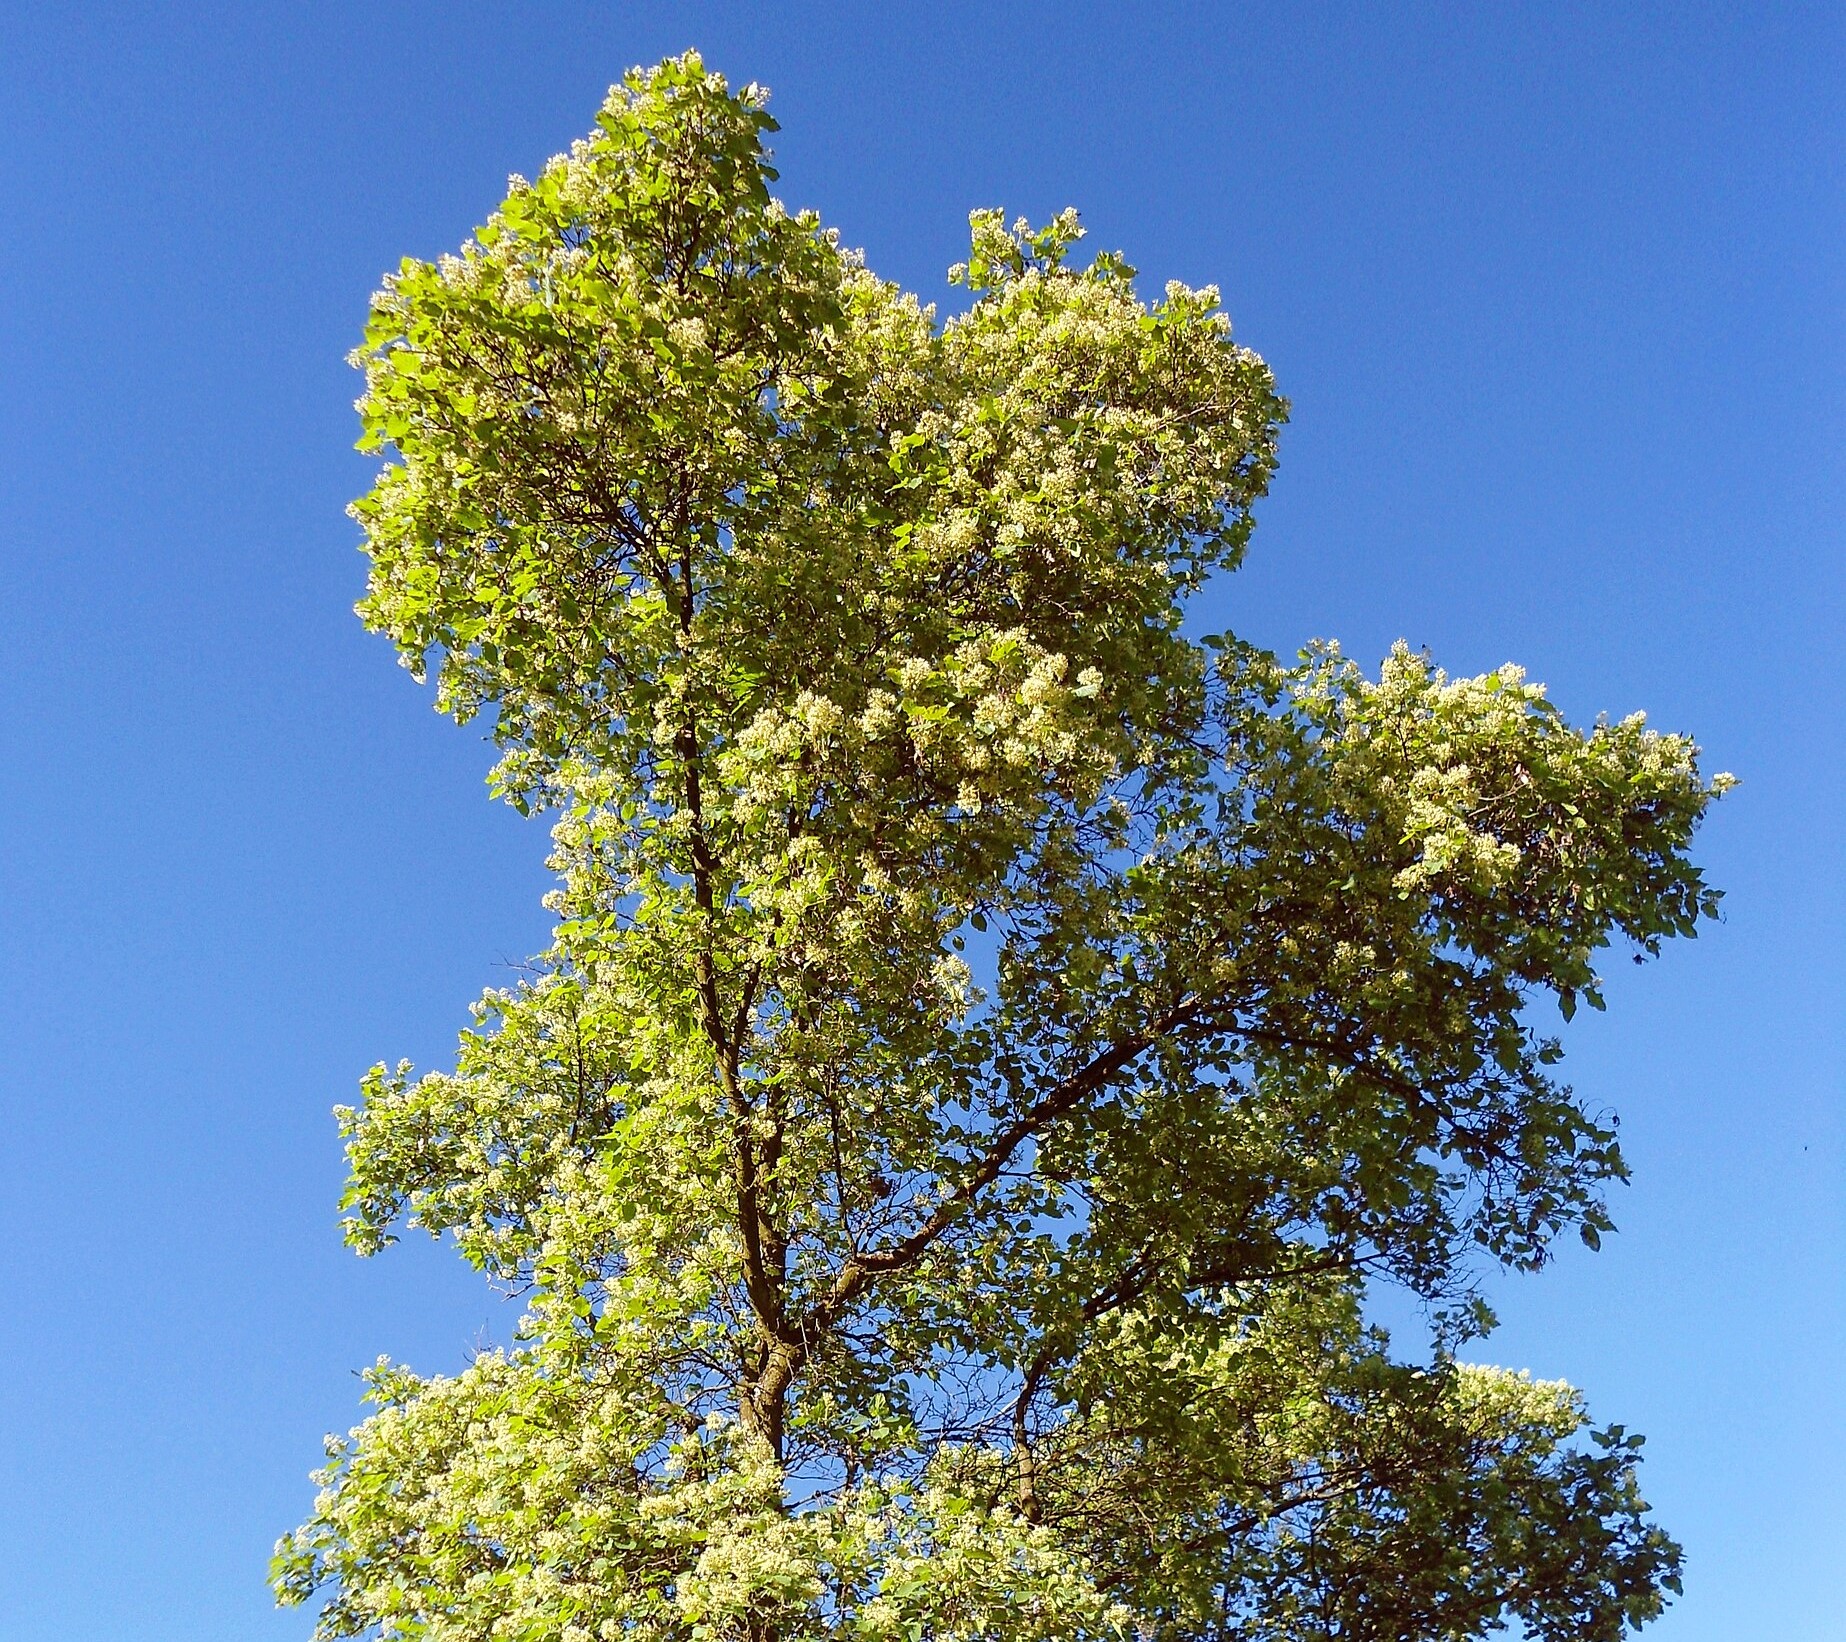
column 992, row 1041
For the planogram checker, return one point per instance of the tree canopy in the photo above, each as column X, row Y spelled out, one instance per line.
column 994, row 1041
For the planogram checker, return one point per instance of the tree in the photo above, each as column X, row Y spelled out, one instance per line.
column 993, row 1042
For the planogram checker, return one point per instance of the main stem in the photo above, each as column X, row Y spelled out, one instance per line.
column 764, row 1393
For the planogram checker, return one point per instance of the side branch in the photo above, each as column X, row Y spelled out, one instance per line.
column 858, row 1272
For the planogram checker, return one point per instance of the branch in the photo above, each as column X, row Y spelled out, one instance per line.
column 856, row 1275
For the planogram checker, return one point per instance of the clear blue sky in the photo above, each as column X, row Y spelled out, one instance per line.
column 1557, row 294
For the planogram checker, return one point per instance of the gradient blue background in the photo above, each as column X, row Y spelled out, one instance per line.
column 1557, row 294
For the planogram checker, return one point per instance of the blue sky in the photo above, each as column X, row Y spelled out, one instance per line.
column 1557, row 295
